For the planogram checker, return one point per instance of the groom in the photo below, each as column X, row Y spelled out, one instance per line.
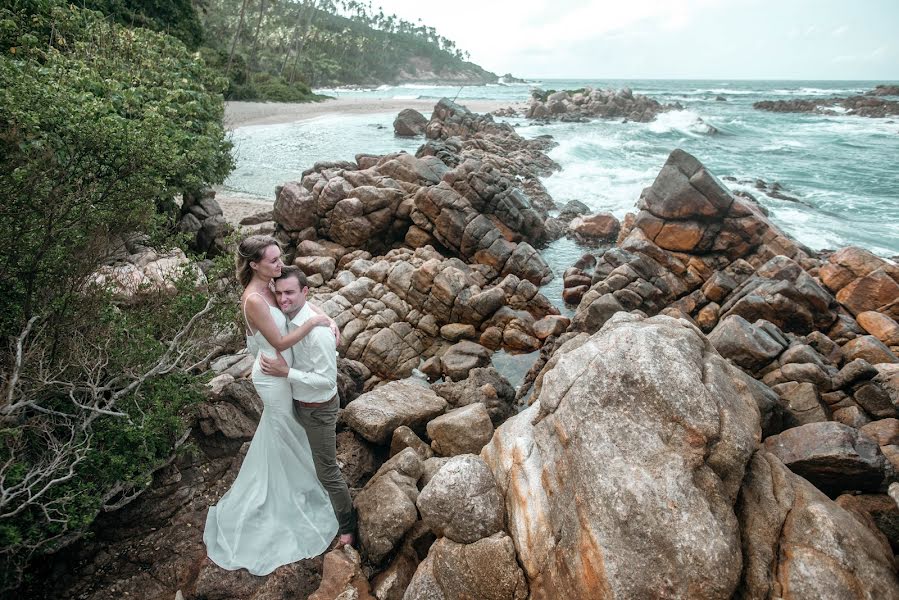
column 313, row 377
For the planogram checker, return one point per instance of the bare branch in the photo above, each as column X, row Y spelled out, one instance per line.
column 13, row 380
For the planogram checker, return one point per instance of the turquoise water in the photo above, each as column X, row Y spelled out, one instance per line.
column 844, row 171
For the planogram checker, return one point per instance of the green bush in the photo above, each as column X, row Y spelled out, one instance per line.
column 100, row 125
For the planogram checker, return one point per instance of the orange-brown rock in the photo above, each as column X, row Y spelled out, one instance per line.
column 342, row 577
column 880, row 326
column 870, row 292
column 601, row 226
column 869, row 348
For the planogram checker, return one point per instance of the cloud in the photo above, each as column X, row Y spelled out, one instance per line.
column 839, row 31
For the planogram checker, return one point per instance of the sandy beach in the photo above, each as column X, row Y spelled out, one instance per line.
column 242, row 114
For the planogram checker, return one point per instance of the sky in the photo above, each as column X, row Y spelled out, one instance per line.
column 670, row 39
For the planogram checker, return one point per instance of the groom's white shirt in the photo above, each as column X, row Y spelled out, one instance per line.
column 313, row 375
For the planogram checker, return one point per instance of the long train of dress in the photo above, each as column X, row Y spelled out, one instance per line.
column 276, row 511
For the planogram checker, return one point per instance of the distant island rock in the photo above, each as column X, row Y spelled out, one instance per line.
column 863, row 106
column 587, row 103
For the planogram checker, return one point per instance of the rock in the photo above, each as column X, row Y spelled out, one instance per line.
column 797, row 543
column 386, row 505
column 409, row 123
column 461, row 431
column 357, row 460
column 295, row 208
column 869, row 293
column 461, row 358
column 832, row 456
column 463, row 481
column 869, row 348
column 485, row 569
column 782, row 293
column 875, row 400
column 880, row 509
column 391, row 583
column 316, row 265
column 457, row 331
column 572, row 466
column 403, row 438
column 802, row 402
column 430, row 468
column 342, row 577
column 880, row 326
column 852, row 372
column 551, row 325
column 885, row 431
column 749, row 346
column 376, row 414
column 485, row 385
column 601, row 226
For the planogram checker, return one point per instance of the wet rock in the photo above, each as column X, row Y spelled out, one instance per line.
column 409, row 123
column 598, row 227
column 461, row 431
column 376, row 414
column 833, row 456
column 463, row 481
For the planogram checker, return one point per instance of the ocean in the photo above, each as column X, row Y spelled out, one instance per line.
column 841, row 171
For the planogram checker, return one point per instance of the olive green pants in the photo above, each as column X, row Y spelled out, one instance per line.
column 320, row 424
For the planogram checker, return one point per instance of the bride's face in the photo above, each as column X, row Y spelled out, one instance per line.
column 269, row 266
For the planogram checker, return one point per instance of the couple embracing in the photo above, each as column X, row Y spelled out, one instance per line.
column 289, row 499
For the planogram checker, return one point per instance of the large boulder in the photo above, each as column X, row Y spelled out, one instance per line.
column 461, row 431
column 461, row 501
column 486, row 570
column 376, row 414
column 833, row 456
column 798, row 544
column 620, row 480
column 409, row 123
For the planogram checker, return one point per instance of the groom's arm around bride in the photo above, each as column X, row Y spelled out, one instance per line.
column 313, row 378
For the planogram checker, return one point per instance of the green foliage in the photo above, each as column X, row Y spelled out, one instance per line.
column 100, row 126
column 321, row 42
column 174, row 17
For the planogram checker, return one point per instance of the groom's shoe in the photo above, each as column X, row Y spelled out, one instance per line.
column 346, row 539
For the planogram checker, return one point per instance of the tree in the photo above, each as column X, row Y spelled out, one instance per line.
column 100, row 124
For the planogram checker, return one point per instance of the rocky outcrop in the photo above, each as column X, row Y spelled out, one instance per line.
column 863, row 106
column 588, row 103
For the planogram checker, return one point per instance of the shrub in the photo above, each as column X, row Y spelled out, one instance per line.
column 100, row 125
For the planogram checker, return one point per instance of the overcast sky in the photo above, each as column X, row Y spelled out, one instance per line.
column 667, row 39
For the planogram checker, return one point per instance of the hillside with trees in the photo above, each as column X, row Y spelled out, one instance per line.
column 276, row 48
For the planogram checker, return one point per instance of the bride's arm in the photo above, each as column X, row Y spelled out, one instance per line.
column 332, row 324
column 259, row 317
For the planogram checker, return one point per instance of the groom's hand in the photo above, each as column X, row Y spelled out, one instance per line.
column 277, row 366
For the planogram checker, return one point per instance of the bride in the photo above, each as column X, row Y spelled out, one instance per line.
column 276, row 511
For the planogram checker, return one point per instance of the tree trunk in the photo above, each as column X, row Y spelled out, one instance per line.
column 243, row 10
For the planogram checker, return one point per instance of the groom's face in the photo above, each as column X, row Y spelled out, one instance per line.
column 289, row 295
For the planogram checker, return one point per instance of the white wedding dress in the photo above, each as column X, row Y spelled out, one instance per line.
column 276, row 511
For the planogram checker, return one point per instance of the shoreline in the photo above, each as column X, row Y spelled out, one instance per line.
column 244, row 114
column 248, row 114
